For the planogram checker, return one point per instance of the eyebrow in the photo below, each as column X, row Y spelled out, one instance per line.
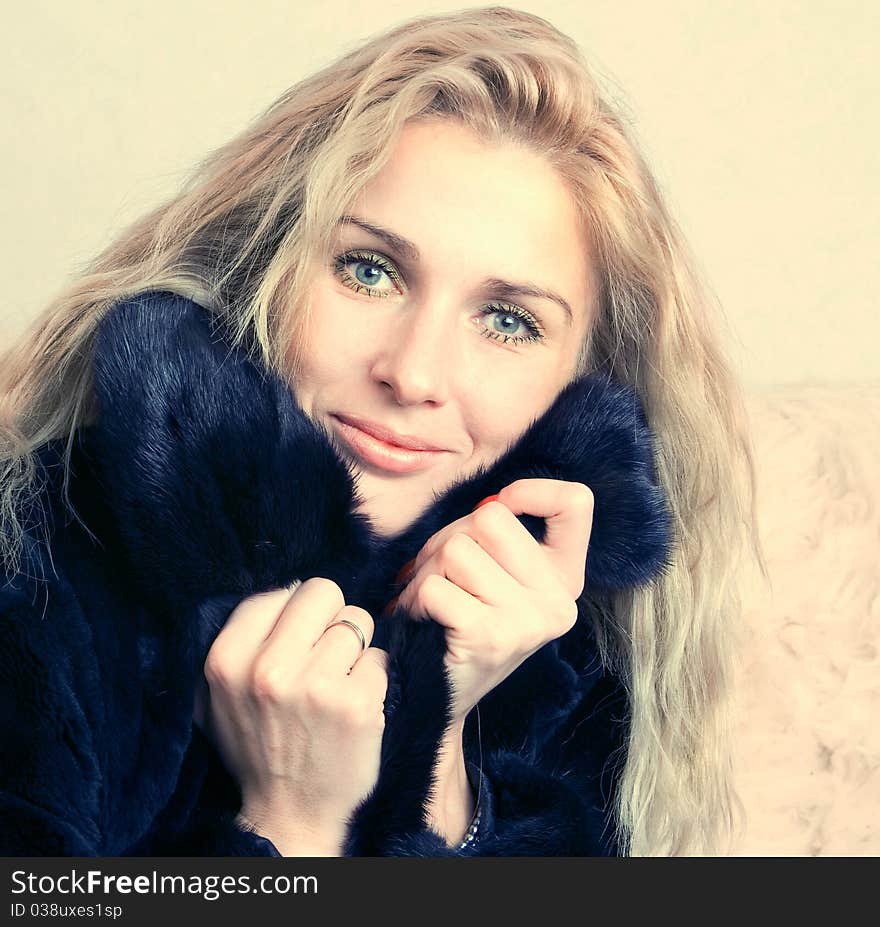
column 504, row 288
column 403, row 245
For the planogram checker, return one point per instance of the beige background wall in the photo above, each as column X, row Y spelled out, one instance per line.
column 759, row 117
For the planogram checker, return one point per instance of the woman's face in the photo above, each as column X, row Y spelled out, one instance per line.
column 428, row 322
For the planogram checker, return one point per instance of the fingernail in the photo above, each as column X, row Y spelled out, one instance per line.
column 405, row 573
column 484, row 501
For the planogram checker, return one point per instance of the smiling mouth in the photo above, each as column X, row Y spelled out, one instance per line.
column 378, row 454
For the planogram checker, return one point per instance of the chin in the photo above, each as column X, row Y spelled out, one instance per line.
column 397, row 511
column 388, row 526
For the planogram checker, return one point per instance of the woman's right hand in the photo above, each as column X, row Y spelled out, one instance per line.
column 296, row 711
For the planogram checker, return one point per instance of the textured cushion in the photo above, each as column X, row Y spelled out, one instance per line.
column 808, row 695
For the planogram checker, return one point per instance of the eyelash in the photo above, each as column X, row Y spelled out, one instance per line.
column 340, row 267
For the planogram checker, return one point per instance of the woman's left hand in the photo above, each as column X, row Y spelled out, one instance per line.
column 500, row 594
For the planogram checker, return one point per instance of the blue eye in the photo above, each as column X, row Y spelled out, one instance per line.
column 508, row 320
column 363, row 271
column 368, row 270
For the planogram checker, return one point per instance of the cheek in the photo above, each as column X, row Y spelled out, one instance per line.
column 499, row 417
column 333, row 341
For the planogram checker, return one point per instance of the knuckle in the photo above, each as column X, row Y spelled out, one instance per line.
column 368, row 718
column 269, row 683
column 429, row 588
column 319, row 695
column 217, row 668
column 360, row 616
column 328, row 589
column 259, row 602
column 581, row 496
column 455, row 547
column 358, row 711
column 490, row 516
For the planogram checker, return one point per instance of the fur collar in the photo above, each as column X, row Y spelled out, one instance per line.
column 189, row 427
column 214, row 485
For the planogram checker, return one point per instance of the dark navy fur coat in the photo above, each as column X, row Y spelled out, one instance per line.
column 202, row 483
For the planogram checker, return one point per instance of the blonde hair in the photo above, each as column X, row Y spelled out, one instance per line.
column 257, row 214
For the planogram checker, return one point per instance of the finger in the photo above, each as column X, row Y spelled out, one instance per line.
column 339, row 647
column 274, row 630
column 508, row 542
column 371, row 673
column 246, row 628
column 439, row 599
column 567, row 509
column 304, row 618
column 504, row 538
column 465, row 562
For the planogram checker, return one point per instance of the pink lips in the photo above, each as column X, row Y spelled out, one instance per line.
column 374, row 449
column 387, row 435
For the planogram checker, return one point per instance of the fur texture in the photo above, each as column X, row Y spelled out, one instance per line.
column 204, row 483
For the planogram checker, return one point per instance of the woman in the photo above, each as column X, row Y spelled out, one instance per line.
column 509, row 638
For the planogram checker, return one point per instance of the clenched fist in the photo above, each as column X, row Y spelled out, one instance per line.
column 295, row 708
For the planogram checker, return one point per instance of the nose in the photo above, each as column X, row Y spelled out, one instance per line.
column 413, row 359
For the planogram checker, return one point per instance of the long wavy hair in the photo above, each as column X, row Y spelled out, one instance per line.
column 255, row 217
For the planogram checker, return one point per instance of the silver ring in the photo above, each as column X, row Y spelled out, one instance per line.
column 355, row 628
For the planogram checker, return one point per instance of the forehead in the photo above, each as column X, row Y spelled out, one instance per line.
column 493, row 208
